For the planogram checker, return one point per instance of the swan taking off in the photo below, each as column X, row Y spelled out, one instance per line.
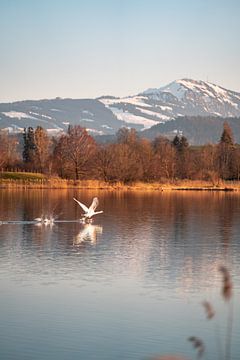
column 89, row 212
column 45, row 220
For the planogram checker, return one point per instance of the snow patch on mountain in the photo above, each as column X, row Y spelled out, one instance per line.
column 54, row 131
column 106, row 127
column 87, row 112
column 87, row 120
column 41, row 115
column 94, row 131
column 18, row 115
column 164, row 108
column 154, row 114
column 133, row 100
column 133, row 119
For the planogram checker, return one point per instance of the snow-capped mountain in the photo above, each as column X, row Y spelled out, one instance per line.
column 179, row 98
column 57, row 114
column 107, row 114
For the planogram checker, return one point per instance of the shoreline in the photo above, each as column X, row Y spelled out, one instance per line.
column 178, row 185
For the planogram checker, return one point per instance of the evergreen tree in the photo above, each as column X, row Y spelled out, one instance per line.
column 226, row 152
column 183, row 144
column 28, row 144
column 182, row 153
column 176, row 142
column 227, row 136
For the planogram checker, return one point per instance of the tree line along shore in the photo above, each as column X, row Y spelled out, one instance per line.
column 75, row 159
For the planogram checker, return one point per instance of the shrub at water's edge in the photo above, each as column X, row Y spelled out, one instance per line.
column 36, row 180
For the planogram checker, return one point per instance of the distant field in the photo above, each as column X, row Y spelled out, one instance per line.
column 30, row 180
column 27, row 176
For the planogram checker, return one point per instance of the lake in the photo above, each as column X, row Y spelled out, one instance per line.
column 127, row 286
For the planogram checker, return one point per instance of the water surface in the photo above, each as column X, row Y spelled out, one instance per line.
column 126, row 286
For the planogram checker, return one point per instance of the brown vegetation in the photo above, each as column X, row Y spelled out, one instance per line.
column 76, row 156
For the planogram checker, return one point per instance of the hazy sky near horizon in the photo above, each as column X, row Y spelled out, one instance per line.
column 89, row 48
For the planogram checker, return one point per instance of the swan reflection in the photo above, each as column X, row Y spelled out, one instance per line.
column 89, row 232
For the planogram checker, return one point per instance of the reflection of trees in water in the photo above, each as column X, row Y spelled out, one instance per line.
column 39, row 238
column 25, row 205
column 184, row 242
column 226, row 213
column 180, row 213
column 169, row 235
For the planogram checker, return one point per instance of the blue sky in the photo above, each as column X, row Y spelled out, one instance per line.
column 80, row 49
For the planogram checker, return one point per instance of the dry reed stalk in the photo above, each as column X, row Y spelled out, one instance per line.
column 227, row 287
column 227, row 292
column 210, row 313
column 198, row 344
column 208, row 309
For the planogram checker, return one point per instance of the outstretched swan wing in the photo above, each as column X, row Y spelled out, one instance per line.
column 84, row 207
column 94, row 204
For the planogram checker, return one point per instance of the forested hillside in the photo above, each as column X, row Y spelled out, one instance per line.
column 199, row 130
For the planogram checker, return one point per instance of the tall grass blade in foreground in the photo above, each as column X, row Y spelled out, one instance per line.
column 210, row 313
column 198, row 345
column 227, row 292
column 208, row 309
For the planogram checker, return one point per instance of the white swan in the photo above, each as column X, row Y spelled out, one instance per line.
column 45, row 220
column 89, row 212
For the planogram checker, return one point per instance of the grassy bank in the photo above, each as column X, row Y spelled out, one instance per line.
column 24, row 180
column 24, row 176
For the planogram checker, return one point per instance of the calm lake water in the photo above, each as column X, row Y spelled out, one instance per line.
column 127, row 286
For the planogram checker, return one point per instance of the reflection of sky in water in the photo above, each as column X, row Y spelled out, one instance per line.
column 129, row 284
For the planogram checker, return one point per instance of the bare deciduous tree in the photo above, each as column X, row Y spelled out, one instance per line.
column 8, row 150
column 75, row 150
column 41, row 152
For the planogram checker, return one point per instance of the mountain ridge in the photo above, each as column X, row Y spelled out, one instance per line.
column 106, row 114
